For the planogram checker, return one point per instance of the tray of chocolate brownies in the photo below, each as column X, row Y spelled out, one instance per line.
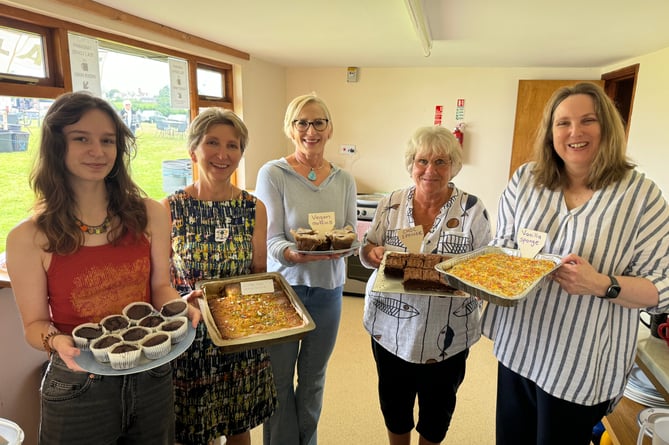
column 413, row 273
column 336, row 241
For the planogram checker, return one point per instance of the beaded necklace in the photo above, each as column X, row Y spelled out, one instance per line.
column 95, row 230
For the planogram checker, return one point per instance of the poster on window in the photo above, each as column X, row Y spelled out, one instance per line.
column 21, row 53
column 84, row 64
column 178, row 83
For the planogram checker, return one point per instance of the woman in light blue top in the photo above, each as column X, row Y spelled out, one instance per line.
column 292, row 188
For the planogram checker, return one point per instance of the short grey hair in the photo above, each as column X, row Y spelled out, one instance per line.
column 437, row 141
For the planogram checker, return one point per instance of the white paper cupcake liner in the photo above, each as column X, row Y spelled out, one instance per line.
column 101, row 354
column 124, row 360
column 147, row 307
column 178, row 334
column 159, row 350
column 84, row 343
column 167, row 310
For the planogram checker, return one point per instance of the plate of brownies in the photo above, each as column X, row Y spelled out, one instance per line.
column 335, row 241
column 413, row 273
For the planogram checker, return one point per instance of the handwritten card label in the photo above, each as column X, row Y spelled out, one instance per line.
column 322, row 222
column 530, row 242
column 257, row 287
column 412, row 238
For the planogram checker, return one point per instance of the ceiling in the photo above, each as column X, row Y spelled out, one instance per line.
column 380, row 33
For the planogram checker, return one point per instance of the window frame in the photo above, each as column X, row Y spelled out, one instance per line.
column 57, row 59
column 47, row 35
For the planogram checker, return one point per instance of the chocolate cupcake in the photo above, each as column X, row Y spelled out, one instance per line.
column 137, row 310
column 156, row 345
column 174, row 308
column 113, row 324
column 177, row 328
column 124, row 355
column 101, row 346
column 151, row 321
column 85, row 333
column 135, row 334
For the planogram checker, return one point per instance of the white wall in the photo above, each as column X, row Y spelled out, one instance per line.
column 380, row 112
column 261, row 90
column 647, row 142
column 20, row 372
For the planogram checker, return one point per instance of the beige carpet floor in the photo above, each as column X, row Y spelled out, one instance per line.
column 351, row 413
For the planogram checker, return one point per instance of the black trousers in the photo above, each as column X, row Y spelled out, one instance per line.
column 434, row 385
column 527, row 415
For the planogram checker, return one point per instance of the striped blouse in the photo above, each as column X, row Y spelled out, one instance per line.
column 580, row 348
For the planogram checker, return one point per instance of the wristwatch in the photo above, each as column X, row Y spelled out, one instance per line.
column 614, row 289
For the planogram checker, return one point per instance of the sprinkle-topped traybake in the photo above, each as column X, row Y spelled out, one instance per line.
column 502, row 274
column 238, row 315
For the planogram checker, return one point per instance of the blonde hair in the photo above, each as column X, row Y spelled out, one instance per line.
column 215, row 116
column 295, row 107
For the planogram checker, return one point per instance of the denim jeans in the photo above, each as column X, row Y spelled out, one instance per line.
column 83, row 408
column 295, row 420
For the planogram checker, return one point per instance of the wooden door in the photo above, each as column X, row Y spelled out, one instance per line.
column 532, row 97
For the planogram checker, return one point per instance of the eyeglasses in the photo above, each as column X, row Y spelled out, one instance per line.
column 318, row 124
column 437, row 163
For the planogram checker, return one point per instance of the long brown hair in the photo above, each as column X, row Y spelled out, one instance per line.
column 610, row 164
column 54, row 206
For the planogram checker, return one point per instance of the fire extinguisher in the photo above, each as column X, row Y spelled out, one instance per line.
column 458, row 132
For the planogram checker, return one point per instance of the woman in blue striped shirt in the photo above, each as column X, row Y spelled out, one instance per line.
column 565, row 352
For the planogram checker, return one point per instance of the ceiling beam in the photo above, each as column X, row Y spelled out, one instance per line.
column 113, row 14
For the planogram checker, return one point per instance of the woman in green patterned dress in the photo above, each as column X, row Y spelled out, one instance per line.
column 218, row 231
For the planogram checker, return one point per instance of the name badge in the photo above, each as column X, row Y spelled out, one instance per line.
column 221, row 234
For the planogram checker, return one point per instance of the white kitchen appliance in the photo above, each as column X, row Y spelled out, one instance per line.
column 357, row 274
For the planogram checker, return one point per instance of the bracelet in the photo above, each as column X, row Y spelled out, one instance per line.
column 45, row 341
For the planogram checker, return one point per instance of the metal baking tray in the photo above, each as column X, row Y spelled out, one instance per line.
column 473, row 289
column 383, row 283
column 212, row 289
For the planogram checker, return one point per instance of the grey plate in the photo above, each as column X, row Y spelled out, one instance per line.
column 473, row 289
column 87, row 361
column 350, row 251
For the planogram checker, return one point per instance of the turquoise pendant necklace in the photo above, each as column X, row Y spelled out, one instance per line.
column 311, row 176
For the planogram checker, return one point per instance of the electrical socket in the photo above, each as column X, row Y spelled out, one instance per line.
column 348, row 149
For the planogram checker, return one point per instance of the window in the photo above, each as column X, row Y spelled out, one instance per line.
column 21, row 55
column 210, row 83
column 20, row 120
column 31, row 76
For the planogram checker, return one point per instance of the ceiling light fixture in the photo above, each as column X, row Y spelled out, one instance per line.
column 421, row 25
